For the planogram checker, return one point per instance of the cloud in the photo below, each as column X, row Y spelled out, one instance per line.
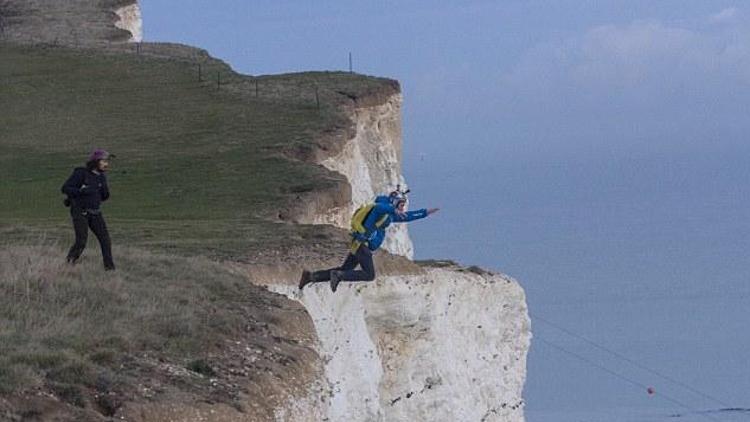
column 645, row 83
column 631, row 55
column 641, row 64
column 727, row 15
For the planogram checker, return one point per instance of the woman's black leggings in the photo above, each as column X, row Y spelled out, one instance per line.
column 82, row 221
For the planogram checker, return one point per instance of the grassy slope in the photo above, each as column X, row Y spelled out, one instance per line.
column 163, row 327
column 199, row 170
column 196, row 165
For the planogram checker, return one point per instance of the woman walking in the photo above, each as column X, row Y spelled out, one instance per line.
column 87, row 189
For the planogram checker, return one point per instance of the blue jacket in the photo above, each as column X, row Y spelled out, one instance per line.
column 374, row 236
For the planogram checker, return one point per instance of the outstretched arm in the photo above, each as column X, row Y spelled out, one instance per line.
column 413, row 215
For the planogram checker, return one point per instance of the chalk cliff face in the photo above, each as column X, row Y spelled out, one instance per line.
column 371, row 162
column 447, row 344
column 76, row 23
column 130, row 20
column 443, row 343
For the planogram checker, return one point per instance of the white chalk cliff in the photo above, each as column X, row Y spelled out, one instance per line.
column 72, row 23
column 371, row 162
column 444, row 344
column 131, row 21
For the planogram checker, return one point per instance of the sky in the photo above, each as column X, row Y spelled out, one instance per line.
column 486, row 71
column 594, row 150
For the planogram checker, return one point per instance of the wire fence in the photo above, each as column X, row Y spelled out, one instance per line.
column 207, row 78
column 307, row 91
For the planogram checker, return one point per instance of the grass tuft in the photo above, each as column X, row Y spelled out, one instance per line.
column 200, row 366
column 67, row 325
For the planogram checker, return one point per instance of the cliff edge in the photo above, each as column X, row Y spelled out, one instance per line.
column 444, row 343
column 425, row 341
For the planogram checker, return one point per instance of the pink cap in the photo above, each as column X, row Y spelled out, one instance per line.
column 99, row 154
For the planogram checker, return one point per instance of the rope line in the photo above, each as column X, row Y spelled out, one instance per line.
column 632, row 362
column 624, row 378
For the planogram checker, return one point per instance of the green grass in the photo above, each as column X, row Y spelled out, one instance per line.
column 195, row 164
column 69, row 323
column 202, row 174
column 160, row 328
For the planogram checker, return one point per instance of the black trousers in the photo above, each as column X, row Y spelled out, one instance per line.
column 363, row 258
column 84, row 220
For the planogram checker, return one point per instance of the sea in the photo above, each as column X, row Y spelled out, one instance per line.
column 636, row 268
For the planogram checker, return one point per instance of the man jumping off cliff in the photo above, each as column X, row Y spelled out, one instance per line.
column 368, row 232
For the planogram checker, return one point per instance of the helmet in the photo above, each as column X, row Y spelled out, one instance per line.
column 398, row 196
column 396, row 199
column 100, row 154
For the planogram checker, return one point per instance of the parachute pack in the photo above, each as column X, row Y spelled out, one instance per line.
column 363, row 212
column 358, row 222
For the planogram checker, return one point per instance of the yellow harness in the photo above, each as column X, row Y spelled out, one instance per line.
column 358, row 223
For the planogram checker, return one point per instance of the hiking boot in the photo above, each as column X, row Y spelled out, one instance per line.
column 305, row 279
column 335, row 280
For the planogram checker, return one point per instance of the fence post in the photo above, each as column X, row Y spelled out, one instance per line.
column 218, row 80
column 317, row 98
